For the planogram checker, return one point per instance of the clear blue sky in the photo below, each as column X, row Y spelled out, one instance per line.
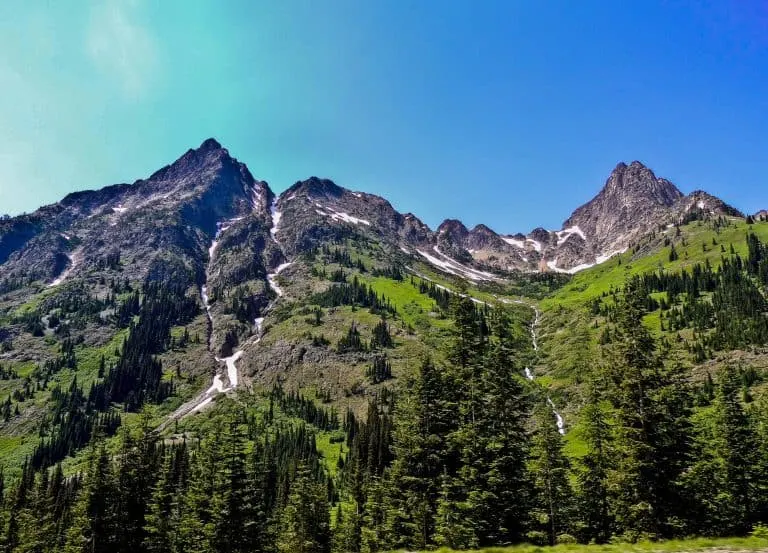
column 509, row 113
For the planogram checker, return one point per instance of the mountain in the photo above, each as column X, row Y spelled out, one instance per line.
column 273, row 357
column 632, row 203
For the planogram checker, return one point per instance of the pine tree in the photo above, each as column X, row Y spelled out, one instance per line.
column 159, row 528
column 453, row 527
column 595, row 465
column 95, row 524
column 305, row 521
column 238, row 510
column 549, row 471
column 652, row 440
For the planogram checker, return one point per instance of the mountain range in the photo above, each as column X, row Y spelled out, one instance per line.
column 183, row 206
column 195, row 341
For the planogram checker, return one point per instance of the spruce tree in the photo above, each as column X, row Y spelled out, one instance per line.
column 305, row 521
column 550, row 472
column 594, row 468
column 651, row 403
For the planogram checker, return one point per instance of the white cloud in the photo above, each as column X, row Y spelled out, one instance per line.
column 121, row 47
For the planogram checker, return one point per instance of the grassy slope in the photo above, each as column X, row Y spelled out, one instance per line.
column 591, row 283
column 569, row 336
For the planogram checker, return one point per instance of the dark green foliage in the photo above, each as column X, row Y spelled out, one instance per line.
column 381, row 336
column 354, row 293
column 294, row 404
column 380, row 370
column 352, row 341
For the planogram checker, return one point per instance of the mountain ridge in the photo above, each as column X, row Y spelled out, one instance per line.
column 632, row 202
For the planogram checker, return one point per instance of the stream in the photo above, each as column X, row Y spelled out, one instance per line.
column 529, row 373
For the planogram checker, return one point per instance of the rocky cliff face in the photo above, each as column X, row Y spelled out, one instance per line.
column 173, row 216
column 632, row 203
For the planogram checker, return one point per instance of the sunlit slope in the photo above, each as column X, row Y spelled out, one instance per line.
column 696, row 242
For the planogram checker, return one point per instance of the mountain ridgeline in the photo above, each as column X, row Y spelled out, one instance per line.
column 194, row 363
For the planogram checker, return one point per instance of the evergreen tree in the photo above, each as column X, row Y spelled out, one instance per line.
column 595, row 466
column 652, row 440
column 549, row 472
column 304, row 523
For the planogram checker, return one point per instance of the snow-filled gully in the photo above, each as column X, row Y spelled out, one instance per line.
column 218, row 385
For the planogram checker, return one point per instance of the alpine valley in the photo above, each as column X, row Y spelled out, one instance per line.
column 192, row 363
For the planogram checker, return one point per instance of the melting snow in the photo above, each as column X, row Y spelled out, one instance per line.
column 514, row 242
column 341, row 216
column 441, row 287
column 276, row 216
column 564, row 234
column 73, row 261
column 217, row 386
column 272, row 278
column 453, row 267
column 231, row 368
column 202, row 405
column 535, row 243
column 602, row 258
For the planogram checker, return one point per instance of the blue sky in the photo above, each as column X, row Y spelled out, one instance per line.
column 509, row 113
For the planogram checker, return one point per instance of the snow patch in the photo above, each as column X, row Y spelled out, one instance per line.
column 514, row 242
column 120, row 209
column 217, row 387
column 272, row 278
column 231, row 368
column 202, row 405
column 564, row 234
column 276, row 216
column 700, row 204
column 535, row 243
column 340, row 216
column 602, row 258
column 453, row 267
column 64, row 236
column 405, row 250
column 74, row 260
column 441, row 287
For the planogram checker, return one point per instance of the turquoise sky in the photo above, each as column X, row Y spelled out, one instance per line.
column 510, row 113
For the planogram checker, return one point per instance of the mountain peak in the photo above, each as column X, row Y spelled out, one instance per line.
column 210, row 144
column 639, row 181
column 452, row 226
column 316, row 186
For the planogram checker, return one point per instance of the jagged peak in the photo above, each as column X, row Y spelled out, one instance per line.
column 481, row 228
column 316, row 186
column 639, row 180
column 210, row 144
column 452, row 225
column 209, row 152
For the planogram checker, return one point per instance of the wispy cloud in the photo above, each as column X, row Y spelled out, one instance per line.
column 121, row 46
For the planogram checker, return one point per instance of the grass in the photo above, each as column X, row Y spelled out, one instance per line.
column 671, row 546
column 612, row 274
